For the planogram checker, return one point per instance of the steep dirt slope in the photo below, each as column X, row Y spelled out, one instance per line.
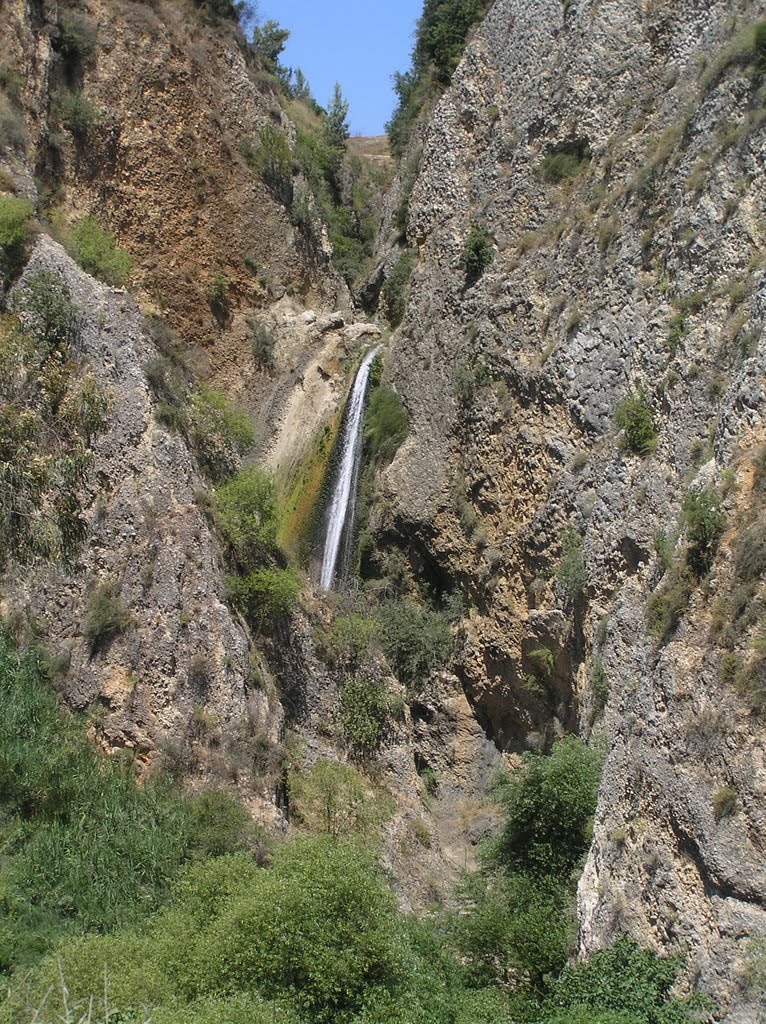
column 173, row 99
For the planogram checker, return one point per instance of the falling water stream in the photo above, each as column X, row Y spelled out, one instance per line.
column 341, row 508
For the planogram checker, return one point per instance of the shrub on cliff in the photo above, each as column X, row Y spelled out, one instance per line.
column 634, row 418
column 477, row 254
column 265, row 595
column 704, row 521
column 417, row 640
column 549, row 808
column 15, row 235
column 246, row 514
column 97, row 252
column 77, row 113
column 386, row 425
column 106, row 617
column 220, row 432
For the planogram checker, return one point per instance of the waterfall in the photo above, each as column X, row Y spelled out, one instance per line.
column 341, row 508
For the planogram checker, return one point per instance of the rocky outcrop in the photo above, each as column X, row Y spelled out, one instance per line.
column 179, row 668
column 613, row 155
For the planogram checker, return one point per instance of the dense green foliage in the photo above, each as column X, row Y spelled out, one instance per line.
column 634, row 418
column 416, row 639
column 477, row 255
column 50, row 411
column 314, row 937
column 15, row 234
column 97, row 252
column 83, row 846
column 364, row 710
column 386, row 425
column 219, row 431
column 264, row 595
column 246, row 515
column 548, row 811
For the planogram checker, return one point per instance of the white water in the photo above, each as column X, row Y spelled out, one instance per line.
column 344, row 488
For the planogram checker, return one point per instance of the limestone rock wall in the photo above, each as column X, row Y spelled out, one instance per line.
column 512, row 384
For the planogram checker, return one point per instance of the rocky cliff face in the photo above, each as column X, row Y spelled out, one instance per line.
column 610, row 157
column 613, row 154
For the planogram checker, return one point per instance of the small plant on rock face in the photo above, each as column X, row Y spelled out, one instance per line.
column 98, row 253
column 262, row 343
column 78, row 113
column 106, row 617
column 217, row 293
column 477, row 254
column 15, row 234
column 724, row 802
column 571, row 574
column 634, row 418
column 220, row 432
column 363, row 713
column 704, row 521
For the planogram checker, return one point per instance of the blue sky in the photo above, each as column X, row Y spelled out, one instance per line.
column 353, row 42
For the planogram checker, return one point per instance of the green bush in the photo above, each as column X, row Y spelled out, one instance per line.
column 441, row 34
column 220, row 432
column 264, row 595
column 386, row 425
column 549, row 808
column 624, row 983
column 217, row 293
column 269, row 40
column 273, row 160
column 105, row 618
column 634, row 418
column 565, row 162
column 15, row 235
column 334, row 799
column 704, row 519
column 246, row 514
column 47, row 310
column 363, row 713
column 78, row 113
column 571, row 574
column 477, row 254
column 168, row 382
column 97, row 252
column 512, row 926
column 347, row 642
column 84, row 846
column 417, row 641
column 395, row 287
